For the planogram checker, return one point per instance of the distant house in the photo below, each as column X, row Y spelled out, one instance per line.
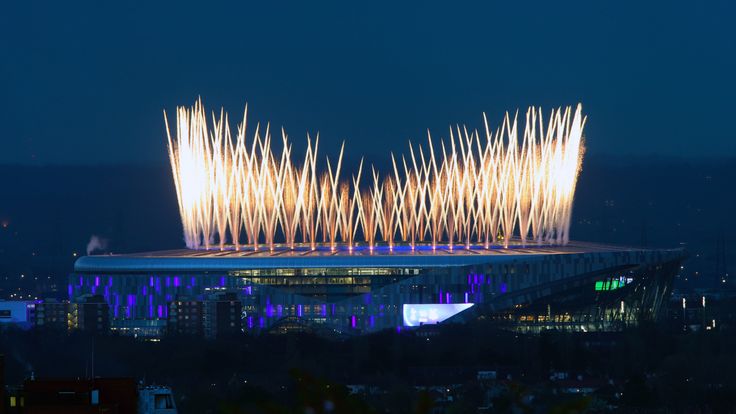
column 16, row 312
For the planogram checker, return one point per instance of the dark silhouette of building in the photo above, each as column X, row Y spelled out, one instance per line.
column 52, row 314
column 62, row 396
column 186, row 317
column 222, row 315
column 91, row 314
column 217, row 316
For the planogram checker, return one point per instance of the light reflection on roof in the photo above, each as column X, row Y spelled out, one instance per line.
column 323, row 256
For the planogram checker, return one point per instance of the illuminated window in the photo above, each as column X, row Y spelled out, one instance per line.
column 612, row 284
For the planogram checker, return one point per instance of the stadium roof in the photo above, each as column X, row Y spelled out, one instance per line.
column 323, row 257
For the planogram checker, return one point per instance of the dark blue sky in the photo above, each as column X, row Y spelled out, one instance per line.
column 86, row 83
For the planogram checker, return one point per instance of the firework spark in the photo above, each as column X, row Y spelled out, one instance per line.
column 476, row 189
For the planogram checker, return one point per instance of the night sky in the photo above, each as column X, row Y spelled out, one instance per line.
column 86, row 83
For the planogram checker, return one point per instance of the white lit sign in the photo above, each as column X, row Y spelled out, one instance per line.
column 419, row 314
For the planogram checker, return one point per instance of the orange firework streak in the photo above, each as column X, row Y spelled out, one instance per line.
column 236, row 193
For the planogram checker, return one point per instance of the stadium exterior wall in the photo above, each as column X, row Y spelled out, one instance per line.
column 576, row 287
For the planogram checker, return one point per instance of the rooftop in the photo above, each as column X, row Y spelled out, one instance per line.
column 324, row 256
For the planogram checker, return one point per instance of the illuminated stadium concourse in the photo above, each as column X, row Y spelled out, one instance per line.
column 476, row 227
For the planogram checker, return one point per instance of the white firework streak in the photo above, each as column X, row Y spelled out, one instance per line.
column 236, row 193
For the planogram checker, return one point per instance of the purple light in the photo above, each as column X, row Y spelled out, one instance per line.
column 261, row 322
column 150, row 281
column 97, row 281
column 177, row 281
column 504, row 288
column 69, row 288
column 353, row 321
column 448, row 297
column 145, row 289
column 160, row 311
column 250, row 322
column 299, row 310
column 222, row 281
column 466, row 297
column 324, row 310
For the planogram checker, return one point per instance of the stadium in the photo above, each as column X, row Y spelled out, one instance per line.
column 476, row 230
column 581, row 287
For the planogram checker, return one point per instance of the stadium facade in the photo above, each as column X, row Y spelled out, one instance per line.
column 580, row 286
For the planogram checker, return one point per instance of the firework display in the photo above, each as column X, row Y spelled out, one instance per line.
column 481, row 189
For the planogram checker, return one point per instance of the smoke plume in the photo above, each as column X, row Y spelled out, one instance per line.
column 96, row 244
